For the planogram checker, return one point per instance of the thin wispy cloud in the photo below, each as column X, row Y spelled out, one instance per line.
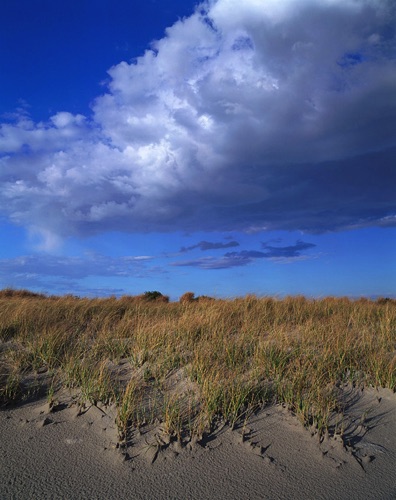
column 271, row 115
column 212, row 263
column 72, row 267
column 208, row 245
column 288, row 252
column 282, row 254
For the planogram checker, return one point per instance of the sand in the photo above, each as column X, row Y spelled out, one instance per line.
column 71, row 454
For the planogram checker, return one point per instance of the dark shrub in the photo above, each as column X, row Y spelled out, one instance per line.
column 155, row 296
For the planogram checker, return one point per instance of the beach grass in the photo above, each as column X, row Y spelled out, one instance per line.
column 191, row 363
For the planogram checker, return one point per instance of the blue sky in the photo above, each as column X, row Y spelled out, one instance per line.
column 223, row 148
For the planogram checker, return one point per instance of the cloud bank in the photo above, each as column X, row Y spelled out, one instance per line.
column 244, row 116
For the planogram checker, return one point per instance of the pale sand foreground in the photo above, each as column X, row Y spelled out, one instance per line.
column 62, row 455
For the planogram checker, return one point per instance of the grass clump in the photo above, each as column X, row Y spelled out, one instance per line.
column 226, row 357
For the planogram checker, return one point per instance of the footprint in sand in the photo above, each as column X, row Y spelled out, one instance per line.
column 71, row 441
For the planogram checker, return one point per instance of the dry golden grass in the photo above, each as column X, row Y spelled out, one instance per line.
column 231, row 356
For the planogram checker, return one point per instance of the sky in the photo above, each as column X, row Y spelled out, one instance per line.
column 224, row 148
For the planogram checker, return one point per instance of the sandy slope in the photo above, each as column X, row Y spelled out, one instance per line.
column 65, row 455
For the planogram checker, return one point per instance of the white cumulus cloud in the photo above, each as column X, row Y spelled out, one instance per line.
column 276, row 114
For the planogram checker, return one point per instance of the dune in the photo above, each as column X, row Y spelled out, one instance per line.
column 66, row 451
